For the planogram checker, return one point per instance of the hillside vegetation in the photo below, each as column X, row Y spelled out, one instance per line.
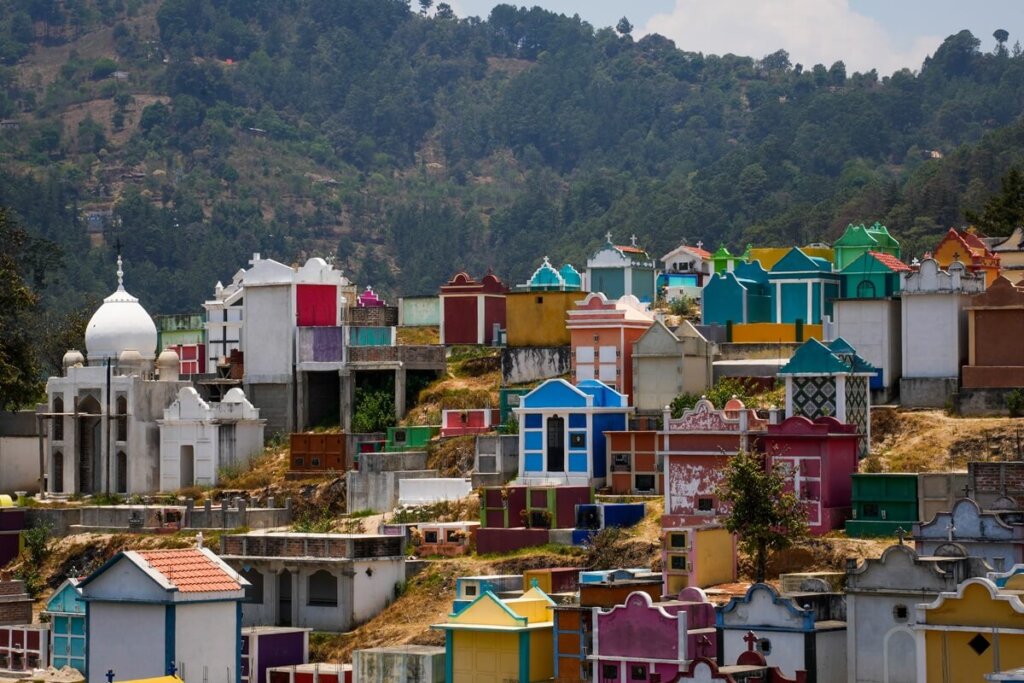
column 407, row 146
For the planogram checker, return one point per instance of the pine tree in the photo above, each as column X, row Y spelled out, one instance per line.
column 764, row 515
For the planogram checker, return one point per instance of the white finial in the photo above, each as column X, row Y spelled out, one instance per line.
column 632, row 240
column 700, row 244
column 949, row 531
column 546, row 261
column 199, row 540
column 120, row 273
column 608, row 236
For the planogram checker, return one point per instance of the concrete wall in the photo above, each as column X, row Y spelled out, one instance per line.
column 497, row 459
column 276, row 403
column 206, row 641
column 268, row 324
column 401, row 664
column 981, row 401
column 62, row 520
column 414, row 311
column 934, row 335
column 927, row 392
column 537, row 319
column 937, row 491
column 520, row 365
column 872, row 326
column 128, row 639
column 375, row 485
column 373, row 586
column 427, row 491
column 19, row 464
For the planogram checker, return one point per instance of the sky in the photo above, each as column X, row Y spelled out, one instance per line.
column 886, row 35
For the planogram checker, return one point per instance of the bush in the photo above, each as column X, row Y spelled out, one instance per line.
column 752, row 395
column 102, row 68
column 374, row 411
column 1015, row 402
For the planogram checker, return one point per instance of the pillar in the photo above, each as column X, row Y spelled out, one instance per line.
column 302, row 400
column 347, row 399
column 400, row 393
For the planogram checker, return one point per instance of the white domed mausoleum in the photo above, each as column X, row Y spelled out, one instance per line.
column 104, row 411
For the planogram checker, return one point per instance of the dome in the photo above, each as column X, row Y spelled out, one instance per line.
column 168, row 358
column 119, row 324
column 72, row 358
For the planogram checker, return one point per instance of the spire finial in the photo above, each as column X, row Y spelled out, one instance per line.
column 120, row 273
column 547, row 262
column 608, row 236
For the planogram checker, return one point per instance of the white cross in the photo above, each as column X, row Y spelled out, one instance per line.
column 700, row 244
column 608, row 236
column 632, row 240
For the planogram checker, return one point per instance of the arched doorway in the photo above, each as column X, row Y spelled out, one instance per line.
column 284, row 598
column 90, row 446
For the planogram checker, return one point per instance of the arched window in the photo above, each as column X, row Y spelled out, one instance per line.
column 122, row 472
column 866, row 289
column 254, row 593
column 122, row 418
column 323, row 589
column 57, row 485
column 58, row 418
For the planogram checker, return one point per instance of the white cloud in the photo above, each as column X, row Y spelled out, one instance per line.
column 812, row 31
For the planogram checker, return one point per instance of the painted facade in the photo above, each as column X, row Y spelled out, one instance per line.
column 874, row 328
column 186, row 335
column 995, row 536
column 934, row 331
column 667, row 363
column 966, row 247
column 819, row 457
column 882, row 503
column 24, row 648
column 872, row 275
column 562, row 431
column 858, row 240
column 496, row 641
column 642, row 637
column 881, row 599
column 967, row 634
column 264, row 647
column 327, row 582
column 770, row 256
column 621, row 270
column 419, row 311
column 469, row 421
column 806, row 631
column 697, row 556
column 740, row 295
column 803, row 288
column 723, row 261
column 198, row 439
column 1010, row 251
column 830, row 381
column 469, row 588
column 69, row 634
column 472, row 309
column 995, row 330
column 547, row 278
column 602, row 334
column 156, row 611
column 223, row 324
column 536, row 320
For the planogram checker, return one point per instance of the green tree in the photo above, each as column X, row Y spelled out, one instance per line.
column 19, row 368
column 624, row 27
column 766, row 517
column 1004, row 210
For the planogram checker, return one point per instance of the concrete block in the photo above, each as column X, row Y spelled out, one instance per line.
column 927, row 392
column 399, row 664
column 427, row 491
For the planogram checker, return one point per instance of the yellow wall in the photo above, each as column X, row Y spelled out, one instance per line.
column 715, row 557
column 485, row 657
column 769, row 256
column 539, row 324
column 542, row 655
column 949, row 249
column 751, row 333
column 542, row 578
column 1014, row 583
column 975, row 607
column 948, row 651
column 485, row 612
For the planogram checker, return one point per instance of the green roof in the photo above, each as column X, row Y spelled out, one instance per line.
column 571, row 276
column 815, row 358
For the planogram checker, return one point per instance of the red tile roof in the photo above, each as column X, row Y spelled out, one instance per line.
column 630, row 249
column 890, row 261
column 190, row 570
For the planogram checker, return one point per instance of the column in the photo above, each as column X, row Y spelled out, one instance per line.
column 400, row 393
column 302, row 394
column 347, row 399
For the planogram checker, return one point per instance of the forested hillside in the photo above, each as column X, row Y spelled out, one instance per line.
column 411, row 144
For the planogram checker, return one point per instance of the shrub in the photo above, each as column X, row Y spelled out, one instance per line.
column 1015, row 402
column 374, row 412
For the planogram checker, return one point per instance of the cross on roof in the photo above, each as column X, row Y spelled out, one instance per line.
column 949, row 530
column 700, row 244
column 750, row 639
column 608, row 236
column 901, row 533
column 967, row 490
column 632, row 240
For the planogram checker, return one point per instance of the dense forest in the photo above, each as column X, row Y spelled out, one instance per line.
column 408, row 142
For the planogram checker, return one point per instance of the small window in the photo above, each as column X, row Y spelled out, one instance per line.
column 705, row 504
column 678, row 562
column 678, row 539
column 254, row 591
column 323, row 589
column 540, row 299
column 399, row 436
column 900, row 613
column 430, row 537
column 299, row 461
column 610, row 671
column 638, row 672
column 871, row 510
column 453, row 535
column 315, row 462
column 620, row 460
column 578, row 440
column 764, row 645
column 470, row 591
column 645, row 482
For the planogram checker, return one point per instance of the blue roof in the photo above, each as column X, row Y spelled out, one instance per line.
column 604, row 395
column 796, row 261
column 814, row 358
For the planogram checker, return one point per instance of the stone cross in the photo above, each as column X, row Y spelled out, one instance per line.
column 632, row 240
column 171, row 669
column 750, row 639
column 608, row 236
column 901, row 532
column 110, row 676
column 700, row 244
column 967, row 490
